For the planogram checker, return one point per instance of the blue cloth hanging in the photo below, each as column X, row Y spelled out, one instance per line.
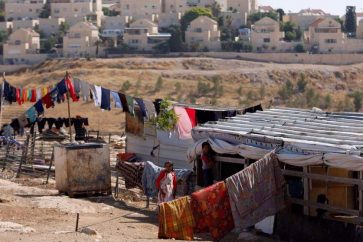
column 117, row 99
column 39, row 107
column 31, row 113
column 105, row 99
column 141, row 104
column 62, row 87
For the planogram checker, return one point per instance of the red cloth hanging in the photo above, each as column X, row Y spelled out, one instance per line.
column 70, row 88
column 47, row 100
column 192, row 115
column 33, row 98
column 25, row 95
column 18, row 98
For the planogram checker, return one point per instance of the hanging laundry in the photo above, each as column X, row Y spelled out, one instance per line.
column 41, row 124
column 48, row 101
column 192, row 116
column 131, row 172
column 212, row 210
column 59, row 123
column 39, row 107
column 253, row 109
column 44, row 91
column 71, row 90
column 124, row 102
column 116, row 99
column 150, row 109
column 141, row 104
column 18, row 98
column 204, row 116
column 105, row 99
column 256, row 192
column 39, row 94
column 50, row 122
column 15, row 125
column 7, row 92
column 184, row 125
column 29, row 98
column 98, row 96
column 77, row 86
column 85, row 90
column 62, row 87
column 25, row 95
column 157, row 103
column 31, row 113
column 130, row 104
column 176, row 220
column 33, row 98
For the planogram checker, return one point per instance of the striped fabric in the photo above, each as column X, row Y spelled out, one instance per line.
column 176, row 220
column 131, row 172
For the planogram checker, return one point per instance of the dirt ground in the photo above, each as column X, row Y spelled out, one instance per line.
column 33, row 211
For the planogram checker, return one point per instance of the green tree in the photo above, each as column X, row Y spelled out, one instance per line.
column 192, row 14
column 203, row 88
column 45, row 13
column 351, row 20
column 158, row 84
column 252, row 18
column 292, row 32
column 286, row 90
column 281, row 13
column 2, row 10
column 63, row 28
column 300, row 48
column 339, row 20
column 3, row 36
column 216, row 9
column 108, row 12
column 162, row 47
column 176, row 39
column 49, row 44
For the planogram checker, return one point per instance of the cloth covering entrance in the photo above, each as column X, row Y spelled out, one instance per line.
column 176, row 220
column 256, row 192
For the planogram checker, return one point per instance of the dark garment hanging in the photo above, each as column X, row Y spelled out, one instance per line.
column 228, row 114
column 123, row 99
column 66, row 122
column 50, row 122
column 157, row 103
column 141, row 104
column 47, row 100
column 13, row 94
column 105, row 99
column 7, row 92
column 15, row 125
column 253, row 109
column 79, row 129
column 39, row 107
column 85, row 121
column 59, row 123
column 204, row 116
column 62, row 87
column 41, row 124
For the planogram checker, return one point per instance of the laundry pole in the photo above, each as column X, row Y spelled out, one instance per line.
column 1, row 100
column 69, row 108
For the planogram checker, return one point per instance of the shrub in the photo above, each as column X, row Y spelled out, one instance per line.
column 299, row 48
column 158, row 84
column 126, row 86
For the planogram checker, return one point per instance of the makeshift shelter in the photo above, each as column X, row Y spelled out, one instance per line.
column 158, row 146
column 320, row 153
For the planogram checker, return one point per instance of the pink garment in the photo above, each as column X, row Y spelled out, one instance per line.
column 184, row 124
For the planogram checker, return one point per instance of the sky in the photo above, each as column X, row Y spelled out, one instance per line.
column 336, row 7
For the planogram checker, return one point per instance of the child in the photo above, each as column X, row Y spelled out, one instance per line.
column 207, row 164
column 166, row 183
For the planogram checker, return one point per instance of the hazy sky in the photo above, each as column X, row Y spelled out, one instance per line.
column 331, row 6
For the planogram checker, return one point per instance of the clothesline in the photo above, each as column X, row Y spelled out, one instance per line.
column 101, row 96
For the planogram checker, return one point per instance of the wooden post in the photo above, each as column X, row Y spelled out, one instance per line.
column 69, row 110
column 360, row 191
column 1, row 100
column 50, row 166
column 306, row 191
column 77, row 219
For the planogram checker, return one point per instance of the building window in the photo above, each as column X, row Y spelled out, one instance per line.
column 133, row 41
column 17, row 42
column 331, row 41
column 30, row 10
column 266, row 40
column 198, row 30
column 56, row 10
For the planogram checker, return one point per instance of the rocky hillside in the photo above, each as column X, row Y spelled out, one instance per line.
column 203, row 80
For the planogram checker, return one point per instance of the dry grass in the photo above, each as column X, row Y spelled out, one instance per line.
column 143, row 73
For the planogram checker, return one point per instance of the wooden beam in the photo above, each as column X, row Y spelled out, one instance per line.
column 325, row 206
column 343, row 180
column 231, row 160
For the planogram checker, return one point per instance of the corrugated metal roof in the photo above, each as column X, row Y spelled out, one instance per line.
column 295, row 126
